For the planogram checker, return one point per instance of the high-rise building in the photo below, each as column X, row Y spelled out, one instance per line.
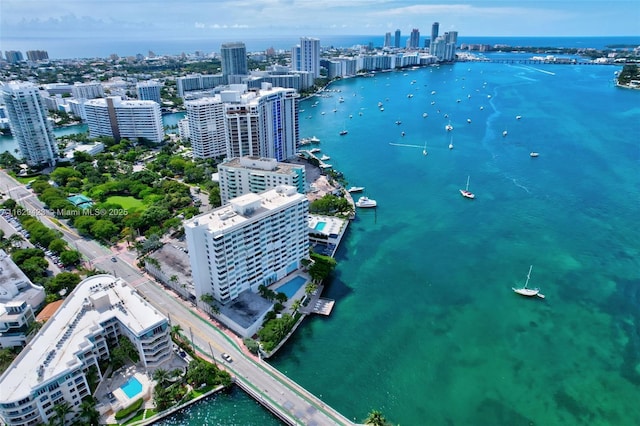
column 37, row 55
column 257, row 239
column 124, row 119
column 207, row 130
column 396, row 41
column 306, row 57
column 149, row 91
column 414, row 39
column 434, row 31
column 13, row 56
column 87, row 90
column 239, row 176
column 234, row 59
column 263, row 123
column 444, row 46
column 387, row 40
column 29, row 124
column 56, row 366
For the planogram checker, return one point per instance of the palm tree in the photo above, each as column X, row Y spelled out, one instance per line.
column 61, row 411
column 88, row 413
column 296, row 305
column 375, row 418
column 175, row 330
column 161, row 376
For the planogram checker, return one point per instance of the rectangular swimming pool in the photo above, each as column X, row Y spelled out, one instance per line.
column 320, row 226
column 132, row 387
column 291, row 287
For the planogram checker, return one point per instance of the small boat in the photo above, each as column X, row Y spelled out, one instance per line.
column 381, row 108
column 504, row 133
column 425, row 115
column 533, row 154
column 466, row 193
column 518, row 117
column 398, row 122
column 356, row 189
column 424, row 150
column 325, row 158
column 379, row 104
column 322, row 113
column 433, row 92
column 314, row 150
column 350, row 115
column 481, row 108
column 448, row 127
column 314, row 139
column 343, row 132
column 451, row 143
column 402, row 133
column 360, row 113
column 366, row 202
column 341, row 99
column 458, row 100
column 410, row 95
column 469, row 120
column 526, row 291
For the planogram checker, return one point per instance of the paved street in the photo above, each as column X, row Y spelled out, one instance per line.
column 261, row 381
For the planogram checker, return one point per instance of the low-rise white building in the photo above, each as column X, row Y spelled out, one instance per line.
column 19, row 297
column 53, row 367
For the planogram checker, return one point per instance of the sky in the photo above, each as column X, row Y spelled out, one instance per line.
column 191, row 19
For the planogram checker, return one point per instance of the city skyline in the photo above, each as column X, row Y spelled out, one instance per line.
column 202, row 19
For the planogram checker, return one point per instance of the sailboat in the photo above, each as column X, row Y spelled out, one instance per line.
column 424, row 150
column 526, row 291
column 466, row 193
column 451, row 143
column 343, row 132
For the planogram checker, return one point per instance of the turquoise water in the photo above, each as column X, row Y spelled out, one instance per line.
column 132, row 387
column 426, row 327
column 292, row 286
column 423, row 286
column 320, row 226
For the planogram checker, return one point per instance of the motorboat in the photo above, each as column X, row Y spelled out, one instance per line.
column 504, row 133
column 325, row 158
column 366, row 202
column 448, row 127
column 356, row 189
column 343, row 132
column 526, row 291
column 314, row 139
column 466, row 193
column 533, row 154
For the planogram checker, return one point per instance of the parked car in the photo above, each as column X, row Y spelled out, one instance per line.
column 227, row 357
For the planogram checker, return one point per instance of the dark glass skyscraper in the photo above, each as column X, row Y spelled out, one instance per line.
column 434, row 31
column 234, row 59
column 396, row 41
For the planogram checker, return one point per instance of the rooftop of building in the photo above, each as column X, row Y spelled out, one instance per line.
column 15, row 285
column 261, row 163
column 49, row 310
column 56, row 347
column 245, row 208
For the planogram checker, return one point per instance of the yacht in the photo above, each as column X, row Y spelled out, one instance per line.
column 356, row 189
column 533, row 154
column 504, row 133
column 325, row 158
column 526, row 291
column 448, row 127
column 343, row 132
column 314, row 139
column 366, row 202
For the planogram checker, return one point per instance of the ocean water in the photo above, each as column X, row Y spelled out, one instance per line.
column 426, row 327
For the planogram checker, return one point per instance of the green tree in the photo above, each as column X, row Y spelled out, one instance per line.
column 61, row 411
column 64, row 280
column 375, row 418
column 104, row 229
column 70, row 257
column 88, row 413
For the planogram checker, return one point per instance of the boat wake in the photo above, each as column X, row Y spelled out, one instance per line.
column 537, row 69
column 405, row 144
column 515, row 182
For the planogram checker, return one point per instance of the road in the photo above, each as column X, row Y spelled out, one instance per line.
column 268, row 386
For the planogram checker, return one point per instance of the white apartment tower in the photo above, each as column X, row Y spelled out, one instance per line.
column 263, row 123
column 124, row 119
column 239, row 176
column 306, row 56
column 257, row 239
column 54, row 367
column 29, row 124
column 83, row 91
column 149, row 91
column 207, row 130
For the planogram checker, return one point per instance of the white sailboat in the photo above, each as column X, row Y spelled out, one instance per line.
column 451, row 143
column 526, row 291
column 466, row 193
column 424, row 150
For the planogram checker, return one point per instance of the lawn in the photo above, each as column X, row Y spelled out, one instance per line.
column 127, row 203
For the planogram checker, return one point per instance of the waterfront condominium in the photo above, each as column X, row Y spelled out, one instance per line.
column 396, row 40
column 29, row 124
column 414, row 39
column 74, row 344
column 234, row 60
column 387, row 40
column 444, row 46
column 239, row 176
column 435, row 27
column 257, row 239
column 119, row 119
column 207, row 130
column 149, row 91
column 306, row 56
column 262, row 123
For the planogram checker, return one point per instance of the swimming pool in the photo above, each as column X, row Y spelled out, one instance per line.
column 320, row 226
column 290, row 287
column 132, row 387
